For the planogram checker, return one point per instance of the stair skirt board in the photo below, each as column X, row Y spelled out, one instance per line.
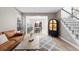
column 77, row 47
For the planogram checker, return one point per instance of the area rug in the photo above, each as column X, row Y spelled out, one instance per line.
column 47, row 44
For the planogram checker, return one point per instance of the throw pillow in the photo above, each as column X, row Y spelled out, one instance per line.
column 3, row 39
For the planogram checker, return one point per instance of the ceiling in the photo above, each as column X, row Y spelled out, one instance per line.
column 39, row 9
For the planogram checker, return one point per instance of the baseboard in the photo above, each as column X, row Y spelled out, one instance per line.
column 77, row 47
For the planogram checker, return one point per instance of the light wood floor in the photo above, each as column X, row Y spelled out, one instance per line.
column 59, row 42
column 64, row 45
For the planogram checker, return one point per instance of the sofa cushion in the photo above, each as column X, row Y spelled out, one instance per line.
column 3, row 39
column 16, row 38
column 10, row 33
column 7, row 46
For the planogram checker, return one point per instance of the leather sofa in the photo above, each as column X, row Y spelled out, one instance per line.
column 14, row 39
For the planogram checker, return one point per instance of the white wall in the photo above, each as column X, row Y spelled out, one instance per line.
column 50, row 15
column 68, row 9
column 8, row 18
column 61, row 15
column 58, row 15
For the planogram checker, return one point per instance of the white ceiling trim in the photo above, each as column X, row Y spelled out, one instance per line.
column 39, row 9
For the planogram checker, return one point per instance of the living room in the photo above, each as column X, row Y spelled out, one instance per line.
column 17, row 27
column 39, row 29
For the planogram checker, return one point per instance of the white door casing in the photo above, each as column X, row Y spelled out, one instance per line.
column 43, row 19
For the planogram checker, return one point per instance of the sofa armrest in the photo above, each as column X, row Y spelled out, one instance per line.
column 18, row 34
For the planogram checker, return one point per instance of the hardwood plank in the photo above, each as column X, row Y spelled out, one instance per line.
column 64, row 45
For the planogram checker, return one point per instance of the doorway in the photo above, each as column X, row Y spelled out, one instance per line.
column 31, row 20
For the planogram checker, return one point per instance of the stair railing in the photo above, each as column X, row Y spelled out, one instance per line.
column 73, row 16
column 74, row 30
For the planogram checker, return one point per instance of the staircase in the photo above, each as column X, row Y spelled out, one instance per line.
column 71, row 25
